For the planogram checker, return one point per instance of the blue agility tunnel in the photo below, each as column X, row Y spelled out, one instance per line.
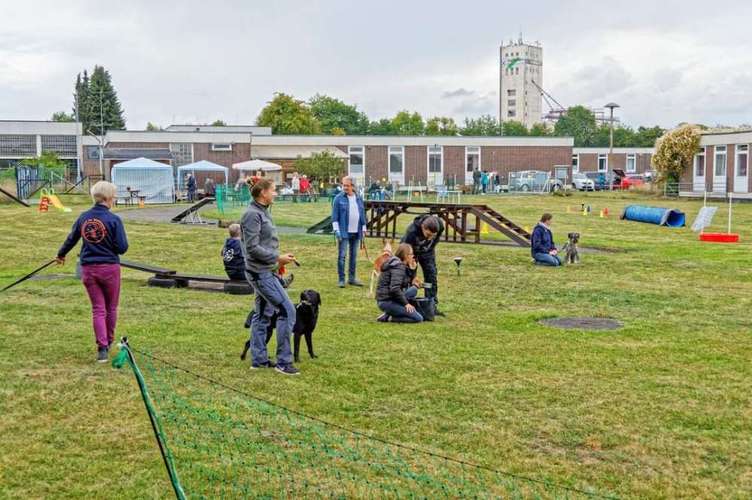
column 654, row 215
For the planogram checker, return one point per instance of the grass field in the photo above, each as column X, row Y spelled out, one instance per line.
column 660, row 408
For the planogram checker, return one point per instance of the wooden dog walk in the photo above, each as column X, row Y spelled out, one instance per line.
column 168, row 278
column 14, row 197
column 463, row 223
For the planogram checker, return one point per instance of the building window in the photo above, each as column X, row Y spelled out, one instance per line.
column 631, row 164
column 182, row 153
column 742, row 159
column 720, row 161
column 396, row 159
column 575, row 163
column 472, row 158
column 511, row 93
column 63, row 145
column 511, row 113
column 221, row 147
column 700, row 163
column 18, row 145
column 92, row 152
column 434, row 159
column 602, row 163
column 511, row 102
column 357, row 160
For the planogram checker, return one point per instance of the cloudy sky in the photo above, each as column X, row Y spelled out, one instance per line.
column 196, row 61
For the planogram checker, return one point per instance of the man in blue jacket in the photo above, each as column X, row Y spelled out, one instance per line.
column 349, row 224
column 542, row 243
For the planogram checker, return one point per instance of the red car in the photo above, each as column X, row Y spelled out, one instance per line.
column 631, row 180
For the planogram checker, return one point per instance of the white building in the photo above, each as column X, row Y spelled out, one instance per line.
column 521, row 68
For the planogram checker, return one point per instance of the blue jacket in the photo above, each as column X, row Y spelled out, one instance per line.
column 232, row 256
column 542, row 240
column 341, row 214
column 103, row 234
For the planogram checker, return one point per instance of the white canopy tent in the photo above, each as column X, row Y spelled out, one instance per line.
column 270, row 170
column 199, row 166
column 151, row 179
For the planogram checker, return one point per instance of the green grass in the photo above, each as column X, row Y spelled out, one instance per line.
column 660, row 408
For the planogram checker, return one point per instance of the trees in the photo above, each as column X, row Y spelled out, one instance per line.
column 514, row 128
column 441, row 125
column 287, row 115
column 218, row 123
column 97, row 102
column 406, row 123
column 62, row 116
column 646, row 137
column 674, row 152
column 578, row 122
column 539, row 130
column 334, row 114
column 151, row 127
column 485, row 125
column 323, row 166
column 381, row 127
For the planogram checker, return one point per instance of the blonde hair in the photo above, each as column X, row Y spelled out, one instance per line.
column 234, row 230
column 403, row 250
column 103, row 191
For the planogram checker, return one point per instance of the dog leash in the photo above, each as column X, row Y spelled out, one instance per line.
column 365, row 249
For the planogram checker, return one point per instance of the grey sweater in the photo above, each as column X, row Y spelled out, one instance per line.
column 259, row 239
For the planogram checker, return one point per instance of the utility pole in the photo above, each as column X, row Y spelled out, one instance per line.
column 611, row 107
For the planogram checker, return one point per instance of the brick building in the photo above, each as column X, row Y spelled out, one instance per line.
column 721, row 166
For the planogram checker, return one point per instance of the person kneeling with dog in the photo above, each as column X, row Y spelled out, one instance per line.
column 396, row 288
column 542, row 245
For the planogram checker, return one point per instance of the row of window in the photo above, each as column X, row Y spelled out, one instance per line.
column 630, row 167
column 397, row 159
column 719, row 161
column 26, row 145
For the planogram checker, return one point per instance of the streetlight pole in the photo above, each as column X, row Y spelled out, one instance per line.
column 611, row 107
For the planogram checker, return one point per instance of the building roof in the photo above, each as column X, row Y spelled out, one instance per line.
column 202, row 166
column 248, row 129
column 579, row 151
column 141, row 163
column 725, row 138
column 254, row 165
column 131, row 153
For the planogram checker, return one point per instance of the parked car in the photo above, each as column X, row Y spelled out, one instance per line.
column 600, row 179
column 581, row 182
column 533, row 180
column 631, row 180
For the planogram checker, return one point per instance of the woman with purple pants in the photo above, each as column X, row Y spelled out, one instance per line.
column 104, row 240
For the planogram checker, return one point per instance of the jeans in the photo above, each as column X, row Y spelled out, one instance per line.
column 352, row 243
column 430, row 274
column 546, row 259
column 398, row 312
column 102, row 282
column 271, row 298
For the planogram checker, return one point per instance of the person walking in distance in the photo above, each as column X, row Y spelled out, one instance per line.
column 262, row 259
column 349, row 224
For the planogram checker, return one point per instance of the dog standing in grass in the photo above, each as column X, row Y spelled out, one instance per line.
column 571, row 254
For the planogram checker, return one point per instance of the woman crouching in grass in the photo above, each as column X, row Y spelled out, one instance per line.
column 104, row 240
column 395, row 287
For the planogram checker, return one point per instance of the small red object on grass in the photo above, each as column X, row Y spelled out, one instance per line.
column 720, row 237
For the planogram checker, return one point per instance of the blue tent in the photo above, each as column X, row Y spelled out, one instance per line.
column 151, row 179
column 199, row 166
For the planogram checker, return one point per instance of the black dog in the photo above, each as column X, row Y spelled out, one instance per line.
column 306, row 317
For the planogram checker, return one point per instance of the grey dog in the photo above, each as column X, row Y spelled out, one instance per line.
column 571, row 254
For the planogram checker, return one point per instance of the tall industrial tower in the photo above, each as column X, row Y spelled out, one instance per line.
column 521, row 67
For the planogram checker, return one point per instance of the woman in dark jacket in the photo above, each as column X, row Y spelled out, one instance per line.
column 395, row 287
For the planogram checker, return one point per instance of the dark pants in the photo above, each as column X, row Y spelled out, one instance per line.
column 271, row 298
column 102, row 282
column 430, row 274
column 191, row 195
column 398, row 312
column 350, row 243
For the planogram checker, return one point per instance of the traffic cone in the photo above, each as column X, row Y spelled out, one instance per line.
column 44, row 204
column 605, row 211
column 484, row 228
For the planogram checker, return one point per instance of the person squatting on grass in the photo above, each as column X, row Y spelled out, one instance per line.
column 396, row 288
column 104, row 240
column 423, row 235
column 542, row 243
column 232, row 254
column 262, row 258
column 349, row 224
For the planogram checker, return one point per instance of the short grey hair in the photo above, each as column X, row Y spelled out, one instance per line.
column 348, row 178
column 103, row 191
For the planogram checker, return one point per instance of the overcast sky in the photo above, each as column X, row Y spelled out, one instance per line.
column 195, row 61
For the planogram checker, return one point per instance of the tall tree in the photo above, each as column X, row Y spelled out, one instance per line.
column 441, row 125
column 539, row 130
column 406, row 123
column 578, row 122
column 322, row 166
column 514, row 128
column 152, row 127
column 218, row 123
column 381, row 127
column 62, row 116
column 81, row 100
column 646, row 137
column 485, row 125
column 102, row 104
column 675, row 152
column 288, row 116
column 335, row 114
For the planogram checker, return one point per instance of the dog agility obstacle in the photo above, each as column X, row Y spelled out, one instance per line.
column 463, row 223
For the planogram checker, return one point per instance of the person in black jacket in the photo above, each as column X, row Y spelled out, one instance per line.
column 542, row 246
column 423, row 234
column 104, row 241
column 395, row 287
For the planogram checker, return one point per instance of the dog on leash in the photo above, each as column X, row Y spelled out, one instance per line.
column 571, row 254
column 306, row 317
column 386, row 252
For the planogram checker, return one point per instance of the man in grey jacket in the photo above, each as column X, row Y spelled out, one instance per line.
column 262, row 258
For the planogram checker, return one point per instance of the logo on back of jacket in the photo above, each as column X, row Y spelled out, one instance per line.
column 93, row 231
column 228, row 254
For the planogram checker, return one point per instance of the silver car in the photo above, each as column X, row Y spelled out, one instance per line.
column 582, row 183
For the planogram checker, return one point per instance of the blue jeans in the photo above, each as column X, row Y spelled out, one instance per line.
column 352, row 243
column 547, row 259
column 271, row 298
column 398, row 312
